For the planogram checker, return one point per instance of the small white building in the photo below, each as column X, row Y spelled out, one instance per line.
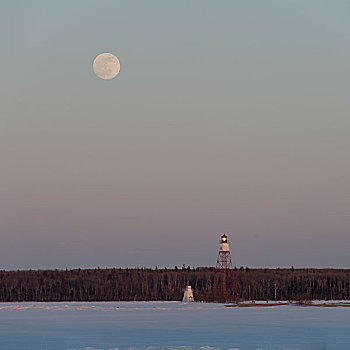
column 188, row 294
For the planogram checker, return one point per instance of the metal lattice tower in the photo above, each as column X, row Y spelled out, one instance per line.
column 224, row 276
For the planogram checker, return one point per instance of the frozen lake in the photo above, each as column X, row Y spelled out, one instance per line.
column 171, row 326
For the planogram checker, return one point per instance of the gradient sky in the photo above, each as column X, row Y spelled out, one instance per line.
column 228, row 116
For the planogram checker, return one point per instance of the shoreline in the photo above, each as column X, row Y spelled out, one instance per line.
column 308, row 304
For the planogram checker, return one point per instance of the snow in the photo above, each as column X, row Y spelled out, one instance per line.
column 171, row 326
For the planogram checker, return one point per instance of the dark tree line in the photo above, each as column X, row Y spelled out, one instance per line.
column 167, row 284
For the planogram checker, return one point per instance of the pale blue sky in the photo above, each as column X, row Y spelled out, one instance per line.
column 228, row 116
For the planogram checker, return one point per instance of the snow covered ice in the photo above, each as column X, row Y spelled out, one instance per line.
column 171, row 326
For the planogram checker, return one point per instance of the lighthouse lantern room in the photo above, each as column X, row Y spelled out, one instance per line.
column 224, row 246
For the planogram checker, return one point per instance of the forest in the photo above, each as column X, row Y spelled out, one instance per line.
column 140, row 284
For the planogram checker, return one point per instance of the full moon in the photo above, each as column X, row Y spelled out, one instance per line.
column 106, row 66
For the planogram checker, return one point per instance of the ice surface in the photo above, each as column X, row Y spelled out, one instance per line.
column 171, row 326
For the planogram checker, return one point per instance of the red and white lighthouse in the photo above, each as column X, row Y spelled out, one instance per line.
column 224, row 276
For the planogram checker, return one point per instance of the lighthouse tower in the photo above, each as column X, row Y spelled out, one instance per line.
column 188, row 294
column 225, row 279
